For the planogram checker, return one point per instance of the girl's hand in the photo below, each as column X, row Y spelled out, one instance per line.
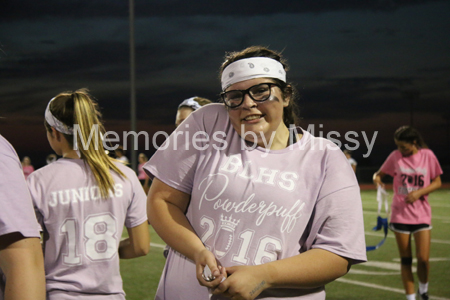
column 243, row 282
column 377, row 179
column 413, row 196
column 206, row 258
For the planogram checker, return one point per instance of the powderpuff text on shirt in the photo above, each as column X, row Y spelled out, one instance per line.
column 284, row 180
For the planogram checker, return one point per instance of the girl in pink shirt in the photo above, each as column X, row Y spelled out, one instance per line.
column 416, row 172
column 142, row 176
column 27, row 167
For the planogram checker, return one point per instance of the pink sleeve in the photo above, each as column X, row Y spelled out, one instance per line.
column 175, row 162
column 16, row 208
column 388, row 166
column 137, row 210
column 434, row 166
column 337, row 224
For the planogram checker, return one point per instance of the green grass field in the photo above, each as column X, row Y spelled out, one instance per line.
column 379, row 278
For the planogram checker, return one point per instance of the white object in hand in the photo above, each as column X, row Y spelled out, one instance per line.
column 207, row 275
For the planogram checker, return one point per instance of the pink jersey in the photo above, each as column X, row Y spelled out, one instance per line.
column 411, row 173
column 16, row 208
column 141, row 172
column 81, row 251
column 27, row 170
column 252, row 206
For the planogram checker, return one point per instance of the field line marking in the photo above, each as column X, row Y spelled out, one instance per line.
column 380, row 287
column 384, row 214
column 393, row 237
column 439, row 205
column 372, row 285
column 157, row 245
column 377, row 273
column 432, row 259
column 384, row 265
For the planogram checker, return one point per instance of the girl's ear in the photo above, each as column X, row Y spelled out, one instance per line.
column 56, row 134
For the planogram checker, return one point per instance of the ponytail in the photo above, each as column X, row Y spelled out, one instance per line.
column 79, row 111
column 410, row 135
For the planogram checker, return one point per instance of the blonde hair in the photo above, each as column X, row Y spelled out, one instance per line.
column 79, row 108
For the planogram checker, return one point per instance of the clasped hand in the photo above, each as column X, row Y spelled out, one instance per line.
column 237, row 282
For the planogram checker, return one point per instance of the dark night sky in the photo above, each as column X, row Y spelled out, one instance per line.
column 358, row 65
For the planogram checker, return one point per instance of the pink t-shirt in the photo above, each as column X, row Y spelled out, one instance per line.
column 16, row 207
column 27, row 170
column 410, row 174
column 251, row 207
column 141, row 172
column 81, row 254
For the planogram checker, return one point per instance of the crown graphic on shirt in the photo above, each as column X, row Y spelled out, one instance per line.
column 228, row 222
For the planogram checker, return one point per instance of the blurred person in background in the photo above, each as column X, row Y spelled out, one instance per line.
column 350, row 159
column 188, row 106
column 142, row 176
column 27, row 167
column 51, row 158
column 120, row 155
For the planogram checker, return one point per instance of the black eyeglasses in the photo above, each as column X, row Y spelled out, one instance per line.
column 259, row 93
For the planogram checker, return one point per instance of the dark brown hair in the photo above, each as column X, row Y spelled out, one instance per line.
column 290, row 113
column 410, row 135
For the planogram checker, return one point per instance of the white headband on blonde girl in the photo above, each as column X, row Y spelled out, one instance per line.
column 250, row 68
column 55, row 123
column 190, row 102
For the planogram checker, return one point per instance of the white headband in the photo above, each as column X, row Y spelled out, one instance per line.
column 54, row 122
column 250, row 68
column 190, row 103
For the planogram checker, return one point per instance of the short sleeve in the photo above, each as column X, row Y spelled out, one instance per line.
column 388, row 166
column 35, row 189
column 16, row 213
column 174, row 163
column 434, row 166
column 338, row 225
column 137, row 210
column 337, row 222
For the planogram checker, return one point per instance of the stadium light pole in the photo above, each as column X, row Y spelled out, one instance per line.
column 132, row 86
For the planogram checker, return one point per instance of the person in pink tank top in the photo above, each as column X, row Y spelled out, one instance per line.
column 416, row 173
column 82, row 202
column 251, row 205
